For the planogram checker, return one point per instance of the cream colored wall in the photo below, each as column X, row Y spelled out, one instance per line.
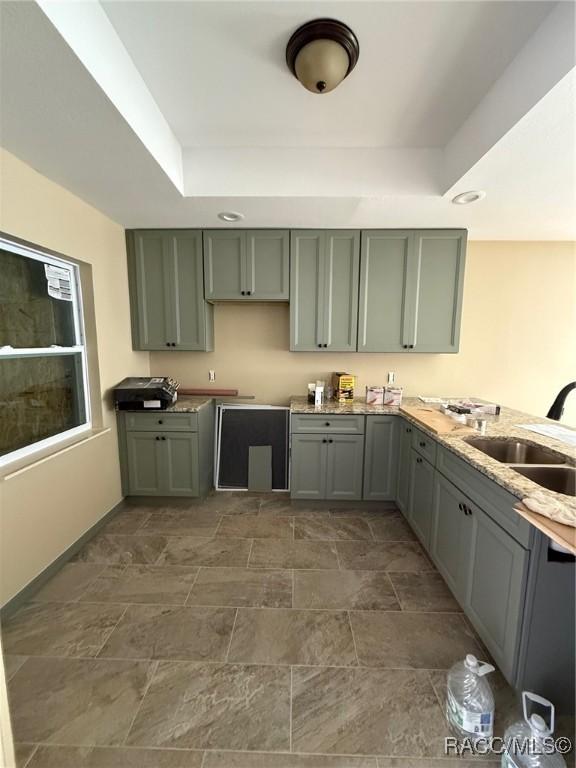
column 47, row 506
column 518, row 344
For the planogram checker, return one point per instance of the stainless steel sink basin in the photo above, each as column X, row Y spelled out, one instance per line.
column 515, row 451
column 560, row 479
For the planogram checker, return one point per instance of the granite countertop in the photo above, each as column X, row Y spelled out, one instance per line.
column 188, row 404
column 505, row 425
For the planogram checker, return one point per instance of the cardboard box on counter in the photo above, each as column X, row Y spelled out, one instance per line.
column 343, row 385
column 374, row 395
column 392, row 395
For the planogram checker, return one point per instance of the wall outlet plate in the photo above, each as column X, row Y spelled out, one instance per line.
column 211, row 375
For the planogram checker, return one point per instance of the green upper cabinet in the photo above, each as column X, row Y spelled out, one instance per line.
column 324, row 270
column 385, row 317
column 411, row 284
column 439, row 280
column 167, row 304
column 242, row 265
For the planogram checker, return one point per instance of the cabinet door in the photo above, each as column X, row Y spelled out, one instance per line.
column 386, row 312
column 224, row 264
column 344, row 468
column 308, row 466
column 267, row 265
column 451, row 535
column 381, row 458
column 150, row 290
column 403, row 488
column 496, row 585
column 342, row 262
column 307, row 290
column 180, row 457
column 439, row 264
column 192, row 316
column 145, row 464
column 421, row 497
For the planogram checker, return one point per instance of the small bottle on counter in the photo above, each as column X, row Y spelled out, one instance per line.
column 311, row 393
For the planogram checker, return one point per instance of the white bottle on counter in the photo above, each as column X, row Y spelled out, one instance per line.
column 469, row 699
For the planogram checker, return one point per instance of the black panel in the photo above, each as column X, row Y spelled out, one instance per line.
column 244, row 427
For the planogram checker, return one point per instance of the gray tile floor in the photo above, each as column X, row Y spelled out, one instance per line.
column 239, row 632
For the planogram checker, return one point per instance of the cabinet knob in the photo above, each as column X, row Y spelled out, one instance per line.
column 327, row 424
column 162, row 438
column 330, row 441
column 461, row 507
column 319, row 345
column 422, row 444
column 408, row 429
column 156, row 438
column 160, row 421
column 324, row 441
column 243, row 293
column 167, row 343
column 418, row 460
column 325, row 345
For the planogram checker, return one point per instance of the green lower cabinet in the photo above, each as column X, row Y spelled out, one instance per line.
column 451, row 535
column 496, row 587
column 381, row 458
column 144, row 459
column 326, row 466
column 167, row 453
column 421, row 493
column 403, row 473
column 308, row 466
column 181, row 469
column 344, row 464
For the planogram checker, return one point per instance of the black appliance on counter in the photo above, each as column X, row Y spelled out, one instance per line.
column 141, row 393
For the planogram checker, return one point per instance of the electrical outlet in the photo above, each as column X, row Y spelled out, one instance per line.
column 211, row 375
column 391, row 377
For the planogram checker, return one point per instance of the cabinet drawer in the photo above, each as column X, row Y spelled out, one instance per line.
column 159, row 422
column 494, row 500
column 425, row 445
column 343, row 425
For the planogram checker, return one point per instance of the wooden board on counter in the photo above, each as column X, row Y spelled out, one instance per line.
column 436, row 421
column 564, row 535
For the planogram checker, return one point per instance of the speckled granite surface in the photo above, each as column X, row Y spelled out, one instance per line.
column 505, row 425
column 187, row 404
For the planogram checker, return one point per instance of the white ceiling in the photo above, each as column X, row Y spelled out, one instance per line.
column 217, row 70
column 162, row 114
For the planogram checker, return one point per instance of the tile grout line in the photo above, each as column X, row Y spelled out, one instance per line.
column 353, row 639
column 249, row 553
column 293, row 578
column 109, row 635
column 231, row 636
column 194, row 580
column 395, row 592
column 155, row 664
column 291, row 703
column 30, row 756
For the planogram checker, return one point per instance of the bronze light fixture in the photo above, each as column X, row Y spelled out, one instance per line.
column 321, row 53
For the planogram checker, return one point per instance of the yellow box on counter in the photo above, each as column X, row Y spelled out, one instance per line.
column 343, row 385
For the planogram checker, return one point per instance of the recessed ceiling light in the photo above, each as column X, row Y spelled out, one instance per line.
column 469, row 197
column 230, row 216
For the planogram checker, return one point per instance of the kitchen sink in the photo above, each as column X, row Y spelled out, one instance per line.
column 515, row 451
column 560, row 479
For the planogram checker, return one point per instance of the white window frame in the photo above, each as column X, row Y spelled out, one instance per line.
column 79, row 348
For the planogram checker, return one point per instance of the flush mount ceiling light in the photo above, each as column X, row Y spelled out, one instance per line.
column 230, row 216
column 321, row 53
column 469, row 197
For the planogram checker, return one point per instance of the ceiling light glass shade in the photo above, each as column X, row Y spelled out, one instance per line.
column 322, row 65
column 464, row 198
column 321, row 53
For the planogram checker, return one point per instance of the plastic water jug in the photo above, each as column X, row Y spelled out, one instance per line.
column 529, row 742
column 469, row 699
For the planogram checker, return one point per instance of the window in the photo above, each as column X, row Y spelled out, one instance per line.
column 43, row 373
